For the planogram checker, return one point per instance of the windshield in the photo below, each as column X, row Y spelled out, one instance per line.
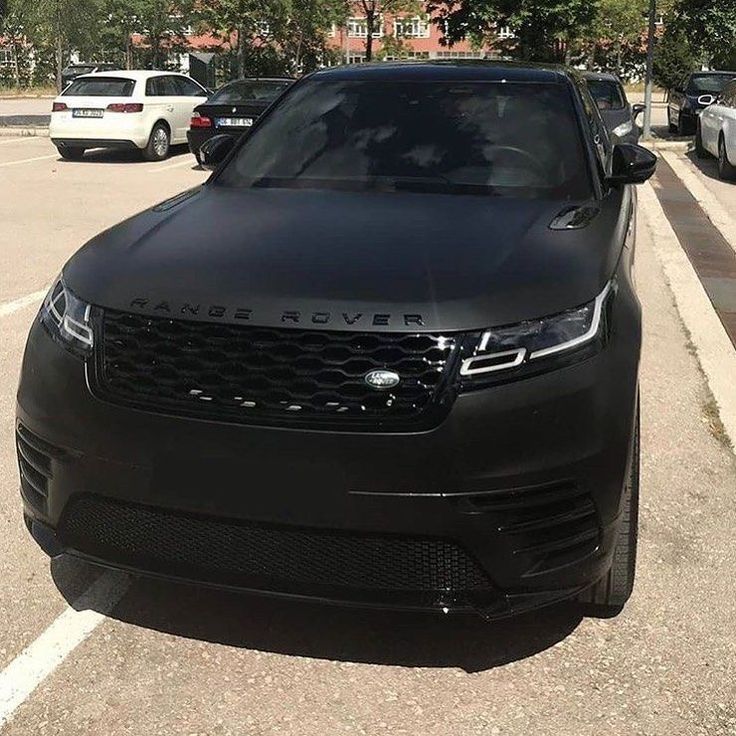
column 703, row 84
column 100, row 87
column 513, row 139
column 607, row 94
column 249, row 91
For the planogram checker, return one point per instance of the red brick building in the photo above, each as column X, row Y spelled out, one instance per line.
column 404, row 36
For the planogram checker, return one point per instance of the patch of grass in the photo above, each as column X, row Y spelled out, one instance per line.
column 712, row 417
column 12, row 92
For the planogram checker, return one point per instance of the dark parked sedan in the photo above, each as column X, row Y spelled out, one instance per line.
column 692, row 96
column 387, row 355
column 233, row 109
column 617, row 112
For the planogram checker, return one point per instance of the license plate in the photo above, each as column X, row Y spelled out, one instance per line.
column 234, row 122
column 84, row 112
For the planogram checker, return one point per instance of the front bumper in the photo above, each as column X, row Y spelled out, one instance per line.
column 446, row 518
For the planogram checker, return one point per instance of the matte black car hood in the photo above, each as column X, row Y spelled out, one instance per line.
column 349, row 261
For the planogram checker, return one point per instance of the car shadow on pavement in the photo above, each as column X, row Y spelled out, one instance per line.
column 707, row 166
column 327, row 632
column 124, row 156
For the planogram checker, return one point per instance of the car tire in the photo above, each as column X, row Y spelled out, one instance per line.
column 726, row 170
column 71, row 153
column 159, row 143
column 683, row 126
column 700, row 149
column 610, row 594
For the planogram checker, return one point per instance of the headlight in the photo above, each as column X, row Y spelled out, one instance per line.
column 527, row 345
column 67, row 319
column 624, row 129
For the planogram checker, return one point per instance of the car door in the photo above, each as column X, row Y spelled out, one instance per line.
column 710, row 123
column 727, row 110
column 677, row 97
column 158, row 104
column 189, row 94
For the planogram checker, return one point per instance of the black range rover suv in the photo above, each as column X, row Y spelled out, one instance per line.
column 387, row 355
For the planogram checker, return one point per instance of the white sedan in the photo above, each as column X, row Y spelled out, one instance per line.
column 716, row 132
column 143, row 110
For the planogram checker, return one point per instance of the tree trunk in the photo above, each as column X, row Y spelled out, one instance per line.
column 241, row 51
column 16, row 63
column 59, row 47
column 619, row 56
column 370, row 17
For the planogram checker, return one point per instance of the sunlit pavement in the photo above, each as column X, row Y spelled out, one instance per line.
column 169, row 659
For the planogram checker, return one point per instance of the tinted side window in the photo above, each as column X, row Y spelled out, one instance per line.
column 728, row 96
column 152, row 88
column 168, row 86
column 188, row 88
column 598, row 130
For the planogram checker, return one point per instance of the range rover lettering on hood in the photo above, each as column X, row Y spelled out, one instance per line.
column 286, row 317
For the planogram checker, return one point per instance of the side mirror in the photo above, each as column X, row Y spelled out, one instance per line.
column 707, row 100
column 637, row 110
column 215, row 150
column 632, row 164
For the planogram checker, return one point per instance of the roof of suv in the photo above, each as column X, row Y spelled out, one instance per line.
column 479, row 70
column 130, row 74
column 601, row 77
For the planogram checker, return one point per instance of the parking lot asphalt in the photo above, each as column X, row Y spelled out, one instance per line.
column 173, row 659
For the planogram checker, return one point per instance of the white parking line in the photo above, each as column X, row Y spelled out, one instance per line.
column 22, row 302
column 29, row 160
column 40, row 658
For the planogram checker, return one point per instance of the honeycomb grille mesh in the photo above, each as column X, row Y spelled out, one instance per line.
column 251, row 374
column 282, row 557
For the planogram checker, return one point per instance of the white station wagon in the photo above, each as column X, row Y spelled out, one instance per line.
column 144, row 110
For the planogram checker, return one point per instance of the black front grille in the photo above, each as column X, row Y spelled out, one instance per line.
column 547, row 527
column 260, row 375
column 35, row 458
column 271, row 557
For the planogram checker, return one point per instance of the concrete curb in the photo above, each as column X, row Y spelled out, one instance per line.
column 713, row 347
column 23, row 132
column 661, row 145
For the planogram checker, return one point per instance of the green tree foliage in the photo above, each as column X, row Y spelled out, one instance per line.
column 544, row 29
column 710, row 26
column 619, row 26
column 674, row 57
column 300, row 32
column 374, row 9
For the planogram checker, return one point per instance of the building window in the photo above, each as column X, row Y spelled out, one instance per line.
column 356, row 58
column 358, row 28
column 6, row 57
column 409, row 55
column 459, row 54
column 505, row 32
column 411, row 27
